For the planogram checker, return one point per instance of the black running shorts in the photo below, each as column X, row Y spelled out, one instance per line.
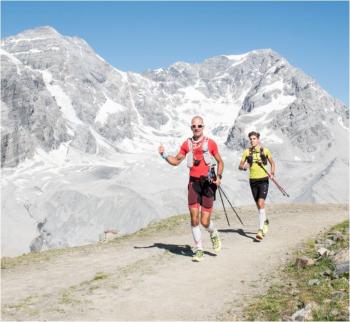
column 259, row 187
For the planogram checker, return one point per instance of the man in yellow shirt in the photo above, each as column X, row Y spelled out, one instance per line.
column 255, row 159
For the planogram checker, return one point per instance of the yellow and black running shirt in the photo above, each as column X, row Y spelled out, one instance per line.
column 256, row 172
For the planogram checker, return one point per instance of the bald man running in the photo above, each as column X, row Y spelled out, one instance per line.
column 201, row 190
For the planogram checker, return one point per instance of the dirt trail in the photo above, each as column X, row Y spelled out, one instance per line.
column 151, row 276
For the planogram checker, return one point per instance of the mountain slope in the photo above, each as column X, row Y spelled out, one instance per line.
column 79, row 137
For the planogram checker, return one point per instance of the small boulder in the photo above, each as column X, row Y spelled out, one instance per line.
column 341, row 257
column 37, row 244
column 324, row 252
column 337, row 236
column 108, row 235
column 305, row 314
column 313, row 282
column 338, row 295
column 328, row 242
column 341, row 261
column 302, row 262
column 342, row 268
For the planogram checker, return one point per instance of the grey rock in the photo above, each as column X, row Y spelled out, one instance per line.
column 329, row 242
column 30, row 116
column 323, row 252
column 84, row 140
column 37, row 244
column 342, row 268
column 341, row 257
column 338, row 295
column 305, row 314
column 337, row 236
column 313, row 282
column 236, row 138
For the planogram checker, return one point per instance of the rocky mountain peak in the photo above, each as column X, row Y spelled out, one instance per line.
column 44, row 32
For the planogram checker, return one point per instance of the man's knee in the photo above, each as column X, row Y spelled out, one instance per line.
column 194, row 221
column 205, row 222
column 261, row 203
column 205, row 218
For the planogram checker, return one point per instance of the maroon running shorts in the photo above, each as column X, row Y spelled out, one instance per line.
column 196, row 199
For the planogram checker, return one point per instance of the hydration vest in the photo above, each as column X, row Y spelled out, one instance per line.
column 205, row 150
column 263, row 157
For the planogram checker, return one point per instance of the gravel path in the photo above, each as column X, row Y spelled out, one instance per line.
column 151, row 276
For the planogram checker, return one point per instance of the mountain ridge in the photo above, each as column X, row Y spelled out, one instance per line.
column 73, row 124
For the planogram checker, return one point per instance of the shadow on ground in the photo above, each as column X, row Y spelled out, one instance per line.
column 238, row 231
column 184, row 250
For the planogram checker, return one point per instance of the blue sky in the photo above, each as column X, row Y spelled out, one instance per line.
column 136, row 36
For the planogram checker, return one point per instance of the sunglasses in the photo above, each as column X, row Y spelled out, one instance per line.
column 197, row 126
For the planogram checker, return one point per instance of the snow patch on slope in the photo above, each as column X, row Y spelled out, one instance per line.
column 62, row 99
column 109, row 107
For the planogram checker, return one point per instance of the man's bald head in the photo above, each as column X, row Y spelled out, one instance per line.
column 198, row 118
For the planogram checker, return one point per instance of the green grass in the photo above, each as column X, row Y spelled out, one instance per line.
column 100, row 276
column 293, row 292
column 71, row 295
column 167, row 224
column 67, row 297
column 25, row 305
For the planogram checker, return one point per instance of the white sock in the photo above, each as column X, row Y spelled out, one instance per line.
column 197, row 236
column 262, row 218
column 211, row 228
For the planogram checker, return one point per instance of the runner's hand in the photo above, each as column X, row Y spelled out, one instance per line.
column 217, row 181
column 161, row 149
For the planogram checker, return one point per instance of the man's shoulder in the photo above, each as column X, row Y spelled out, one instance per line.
column 211, row 142
column 184, row 144
column 210, row 139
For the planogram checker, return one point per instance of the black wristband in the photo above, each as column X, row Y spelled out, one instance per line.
column 220, row 176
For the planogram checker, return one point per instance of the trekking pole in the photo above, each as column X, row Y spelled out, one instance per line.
column 223, row 205
column 284, row 192
column 279, row 187
column 239, row 218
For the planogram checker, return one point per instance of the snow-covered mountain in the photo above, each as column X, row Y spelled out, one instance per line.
column 79, row 138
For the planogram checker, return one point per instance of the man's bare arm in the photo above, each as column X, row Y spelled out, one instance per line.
column 220, row 168
column 175, row 160
column 272, row 163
